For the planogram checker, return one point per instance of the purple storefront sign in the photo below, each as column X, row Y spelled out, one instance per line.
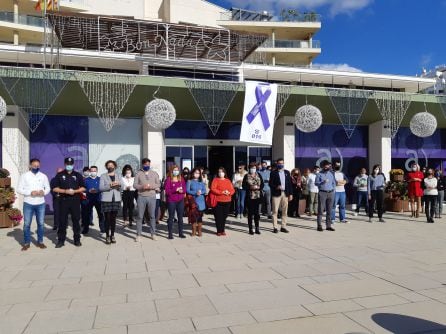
column 56, row 138
column 408, row 148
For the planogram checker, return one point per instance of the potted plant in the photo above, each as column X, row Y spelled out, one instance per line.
column 15, row 215
column 398, row 199
column 396, row 175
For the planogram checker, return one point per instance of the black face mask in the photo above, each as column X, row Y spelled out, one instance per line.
column 337, row 168
column 110, row 169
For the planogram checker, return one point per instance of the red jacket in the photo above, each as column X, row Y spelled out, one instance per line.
column 219, row 185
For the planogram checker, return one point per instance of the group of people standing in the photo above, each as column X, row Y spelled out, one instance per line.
column 271, row 189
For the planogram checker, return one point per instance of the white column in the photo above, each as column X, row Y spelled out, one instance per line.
column 153, row 147
column 15, row 148
column 380, row 147
column 283, row 141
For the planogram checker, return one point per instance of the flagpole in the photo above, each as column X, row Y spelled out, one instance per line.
column 44, row 34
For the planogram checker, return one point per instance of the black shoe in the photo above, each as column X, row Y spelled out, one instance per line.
column 330, row 229
column 170, row 237
column 182, row 236
column 91, row 224
column 298, row 216
column 78, row 243
column 257, row 231
column 54, row 228
column 320, row 229
column 275, row 230
column 270, row 217
column 84, row 232
column 60, row 244
column 107, row 240
column 284, row 230
column 251, row 232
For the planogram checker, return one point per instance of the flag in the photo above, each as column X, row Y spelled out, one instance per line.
column 52, row 5
column 40, row 5
column 259, row 113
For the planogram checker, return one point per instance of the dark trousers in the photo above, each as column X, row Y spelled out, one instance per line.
column 221, row 212
column 87, row 215
column 362, row 199
column 69, row 206
column 128, row 205
column 325, row 203
column 376, row 196
column 56, row 211
column 293, row 206
column 430, row 202
column 110, row 223
column 179, row 208
column 253, row 212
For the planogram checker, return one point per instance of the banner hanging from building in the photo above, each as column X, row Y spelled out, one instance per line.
column 259, row 112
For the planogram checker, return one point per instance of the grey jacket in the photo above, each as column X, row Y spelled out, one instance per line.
column 106, row 191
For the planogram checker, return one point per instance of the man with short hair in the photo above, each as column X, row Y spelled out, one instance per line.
column 281, row 192
column 340, row 196
column 56, row 201
column 33, row 185
column 69, row 184
column 93, row 200
column 147, row 183
column 266, row 203
column 360, row 183
column 326, row 183
column 314, row 191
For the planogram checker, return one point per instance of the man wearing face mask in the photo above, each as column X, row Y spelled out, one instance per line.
column 147, row 183
column 266, row 201
column 56, row 201
column 281, row 192
column 84, row 201
column 70, row 185
column 326, row 183
column 93, row 201
column 33, row 185
column 340, row 197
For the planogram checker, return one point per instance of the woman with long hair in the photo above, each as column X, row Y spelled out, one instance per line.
column 414, row 179
column 375, row 189
column 296, row 181
column 110, row 186
column 175, row 190
column 195, row 201
column 222, row 188
column 128, row 195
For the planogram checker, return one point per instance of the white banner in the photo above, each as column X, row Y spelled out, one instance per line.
column 259, row 113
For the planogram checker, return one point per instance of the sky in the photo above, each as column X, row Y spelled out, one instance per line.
column 379, row 36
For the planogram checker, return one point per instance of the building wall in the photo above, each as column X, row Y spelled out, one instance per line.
column 132, row 8
column 192, row 11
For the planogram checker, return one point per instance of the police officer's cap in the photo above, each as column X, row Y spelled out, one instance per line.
column 69, row 161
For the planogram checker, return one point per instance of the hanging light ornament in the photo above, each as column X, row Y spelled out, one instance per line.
column 3, row 109
column 160, row 114
column 423, row 124
column 308, row 118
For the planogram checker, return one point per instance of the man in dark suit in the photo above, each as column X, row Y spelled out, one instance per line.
column 281, row 193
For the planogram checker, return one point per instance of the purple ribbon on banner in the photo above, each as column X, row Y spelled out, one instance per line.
column 260, row 107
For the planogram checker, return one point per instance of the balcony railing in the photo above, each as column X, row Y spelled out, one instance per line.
column 236, row 14
column 298, row 44
column 29, row 20
column 83, row 3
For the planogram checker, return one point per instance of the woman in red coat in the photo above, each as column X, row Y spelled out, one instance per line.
column 414, row 179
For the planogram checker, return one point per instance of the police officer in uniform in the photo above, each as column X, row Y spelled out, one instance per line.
column 69, row 184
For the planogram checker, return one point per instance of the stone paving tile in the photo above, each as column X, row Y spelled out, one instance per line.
column 250, row 286
column 186, row 307
column 327, row 324
column 110, row 330
column 37, row 275
column 96, row 301
column 173, row 282
column 280, row 313
column 82, row 290
column 380, row 301
column 26, row 295
column 164, row 327
column 236, row 276
column 40, row 306
column 223, row 320
column 337, row 306
column 200, row 291
column 125, row 314
column 61, row 321
column 103, row 278
column 162, row 294
column 139, row 285
column 14, row 323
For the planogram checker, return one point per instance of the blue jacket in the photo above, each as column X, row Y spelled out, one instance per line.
column 192, row 187
column 91, row 183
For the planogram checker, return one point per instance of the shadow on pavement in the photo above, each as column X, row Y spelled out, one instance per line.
column 402, row 324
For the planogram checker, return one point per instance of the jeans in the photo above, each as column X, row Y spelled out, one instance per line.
column 439, row 207
column 240, row 204
column 28, row 211
column 267, row 201
column 150, row 203
column 325, row 204
column 177, row 207
column 362, row 198
column 339, row 199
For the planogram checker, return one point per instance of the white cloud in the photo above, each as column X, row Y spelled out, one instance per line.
column 337, row 67
column 334, row 6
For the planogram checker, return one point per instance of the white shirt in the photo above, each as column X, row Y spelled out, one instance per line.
column 430, row 183
column 237, row 179
column 361, row 182
column 30, row 182
column 339, row 176
column 310, row 183
column 128, row 182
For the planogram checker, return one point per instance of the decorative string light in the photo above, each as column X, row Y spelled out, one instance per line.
column 442, row 102
column 393, row 107
column 423, row 124
column 283, row 94
column 108, row 94
column 213, row 99
column 160, row 114
column 308, row 118
column 349, row 105
column 17, row 147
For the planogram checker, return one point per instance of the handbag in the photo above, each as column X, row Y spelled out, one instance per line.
column 211, row 200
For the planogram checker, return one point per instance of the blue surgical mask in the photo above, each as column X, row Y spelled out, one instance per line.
column 145, row 168
column 69, row 168
column 35, row 170
column 176, row 173
column 280, row 166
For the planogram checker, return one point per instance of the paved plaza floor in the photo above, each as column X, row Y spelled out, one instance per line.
column 363, row 278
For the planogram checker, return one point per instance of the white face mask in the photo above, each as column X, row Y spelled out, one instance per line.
column 252, row 170
column 376, row 171
column 414, row 169
column 221, row 174
column 93, row 174
column 86, row 174
column 128, row 174
column 196, row 175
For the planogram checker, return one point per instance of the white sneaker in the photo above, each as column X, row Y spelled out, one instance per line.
column 355, row 214
column 345, row 221
column 154, row 238
column 138, row 238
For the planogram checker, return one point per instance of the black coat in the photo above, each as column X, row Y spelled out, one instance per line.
column 274, row 183
column 246, row 186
